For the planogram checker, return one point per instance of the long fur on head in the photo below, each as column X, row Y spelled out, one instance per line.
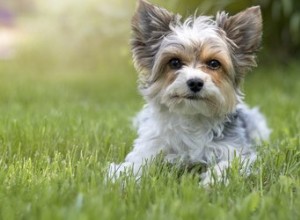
column 151, row 24
column 160, row 35
column 245, row 31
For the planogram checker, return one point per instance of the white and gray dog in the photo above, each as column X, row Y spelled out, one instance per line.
column 191, row 72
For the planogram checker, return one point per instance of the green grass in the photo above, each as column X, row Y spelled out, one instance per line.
column 66, row 105
column 59, row 128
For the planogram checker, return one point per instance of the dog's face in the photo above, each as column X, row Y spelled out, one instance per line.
column 195, row 66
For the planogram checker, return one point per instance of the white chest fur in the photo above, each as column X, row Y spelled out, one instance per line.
column 189, row 139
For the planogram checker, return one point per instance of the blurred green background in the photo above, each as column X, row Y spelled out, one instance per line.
column 94, row 34
column 65, row 34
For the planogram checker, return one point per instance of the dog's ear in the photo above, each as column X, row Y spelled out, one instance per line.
column 149, row 25
column 245, row 31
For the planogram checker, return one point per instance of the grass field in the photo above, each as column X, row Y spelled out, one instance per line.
column 65, row 113
column 60, row 127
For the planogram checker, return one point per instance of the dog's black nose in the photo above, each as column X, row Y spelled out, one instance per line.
column 195, row 85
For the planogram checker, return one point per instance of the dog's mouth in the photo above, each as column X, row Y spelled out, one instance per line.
column 189, row 97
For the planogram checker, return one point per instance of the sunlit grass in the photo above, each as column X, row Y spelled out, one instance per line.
column 66, row 113
column 59, row 127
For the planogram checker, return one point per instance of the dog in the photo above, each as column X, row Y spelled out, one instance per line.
column 190, row 75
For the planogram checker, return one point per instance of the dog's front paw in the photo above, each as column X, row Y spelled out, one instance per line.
column 207, row 179
column 215, row 175
column 116, row 170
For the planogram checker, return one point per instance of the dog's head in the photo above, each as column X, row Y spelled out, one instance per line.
column 194, row 66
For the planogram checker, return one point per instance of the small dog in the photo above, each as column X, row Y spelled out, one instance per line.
column 191, row 72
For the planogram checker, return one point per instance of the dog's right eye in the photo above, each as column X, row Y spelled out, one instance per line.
column 175, row 64
column 213, row 64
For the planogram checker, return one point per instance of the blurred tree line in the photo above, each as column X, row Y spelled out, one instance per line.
column 95, row 33
column 281, row 36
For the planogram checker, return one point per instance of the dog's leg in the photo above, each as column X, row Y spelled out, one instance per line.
column 215, row 174
column 134, row 161
column 125, row 168
column 218, row 173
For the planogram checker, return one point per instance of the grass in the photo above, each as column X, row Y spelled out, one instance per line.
column 60, row 128
column 65, row 114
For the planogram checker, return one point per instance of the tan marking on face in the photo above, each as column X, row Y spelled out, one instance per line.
column 222, row 77
column 229, row 95
column 216, row 51
column 211, row 49
column 169, row 77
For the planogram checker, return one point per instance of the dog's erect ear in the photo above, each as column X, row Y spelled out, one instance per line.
column 245, row 30
column 149, row 25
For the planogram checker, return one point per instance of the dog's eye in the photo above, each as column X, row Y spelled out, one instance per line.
column 213, row 64
column 175, row 64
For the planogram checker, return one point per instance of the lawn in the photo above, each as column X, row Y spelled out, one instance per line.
column 59, row 128
column 66, row 105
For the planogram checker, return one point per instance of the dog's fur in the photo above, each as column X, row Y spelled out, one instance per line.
column 191, row 72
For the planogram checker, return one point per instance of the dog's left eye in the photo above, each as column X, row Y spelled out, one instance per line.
column 213, row 64
column 175, row 64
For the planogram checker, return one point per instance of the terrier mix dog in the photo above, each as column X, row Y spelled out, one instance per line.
column 191, row 72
